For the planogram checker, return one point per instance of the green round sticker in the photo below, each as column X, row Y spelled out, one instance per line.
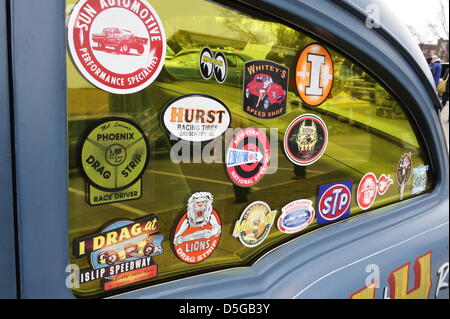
column 114, row 154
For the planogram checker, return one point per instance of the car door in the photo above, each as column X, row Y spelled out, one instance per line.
column 371, row 189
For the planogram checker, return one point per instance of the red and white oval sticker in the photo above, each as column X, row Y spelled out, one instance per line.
column 118, row 45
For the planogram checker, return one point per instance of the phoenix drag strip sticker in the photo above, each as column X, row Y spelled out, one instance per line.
column 306, row 139
column 197, row 233
column 114, row 154
column 118, row 45
column 255, row 224
column 248, row 157
column 196, row 117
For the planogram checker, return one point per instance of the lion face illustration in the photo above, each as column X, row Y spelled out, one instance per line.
column 199, row 209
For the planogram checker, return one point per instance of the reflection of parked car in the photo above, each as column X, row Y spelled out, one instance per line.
column 119, row 39
column 263, row 87
column 145, row 247
column 185, row 65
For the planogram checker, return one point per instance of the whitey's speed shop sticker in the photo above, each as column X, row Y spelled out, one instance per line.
column 197, row 233
column 114, row 154
column 296, row 216
column 306, row 139
column 196, row 117
column 248, row 157
column 255, row 224
column 118, row 45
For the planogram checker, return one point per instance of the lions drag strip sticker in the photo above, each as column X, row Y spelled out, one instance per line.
column 266, row 86
column 197, row 234
column 248, row 157
column 306, row 139
column 255, row 224
column 113, row 157
column 196, row 117
column 118, row 46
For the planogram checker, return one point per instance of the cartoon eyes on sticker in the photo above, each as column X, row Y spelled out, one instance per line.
column 210, row 64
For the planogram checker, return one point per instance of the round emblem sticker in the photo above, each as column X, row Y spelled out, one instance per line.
column 314, row 74
column 367, row 191
column 305, row 139
column 114, row 154
column 404, row 167
column 255, row 224
column 198, row 232
column 118, row 46
column 248, row 157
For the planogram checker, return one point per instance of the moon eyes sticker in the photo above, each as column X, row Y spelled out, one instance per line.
column 113, row 157
column 314, row 74
column 248, row 157
column 305, row 139
column 118, row 46
column 266, row 85
column 255, row 224
column 197, row 234
column 209, row 65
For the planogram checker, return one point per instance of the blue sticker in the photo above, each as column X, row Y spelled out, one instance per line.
column 334, row 201
column 419, row 179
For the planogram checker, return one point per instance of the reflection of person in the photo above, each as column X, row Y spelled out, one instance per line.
column 436, row 69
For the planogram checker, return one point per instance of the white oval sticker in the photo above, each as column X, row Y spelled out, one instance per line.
column 196, row 118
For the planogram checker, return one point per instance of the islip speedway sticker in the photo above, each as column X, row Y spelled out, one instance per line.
column 118, row 45
column 255, row 224
column 306, row 139
column 196, row 117
column 122, row 253
column 197, row 233
column 248, row 157
column 114, row 155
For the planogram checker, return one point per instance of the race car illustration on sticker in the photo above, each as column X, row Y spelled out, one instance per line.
column 120, row 40
column 266, row 85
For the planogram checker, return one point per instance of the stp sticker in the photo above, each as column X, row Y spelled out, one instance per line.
column 209, row 65
column 118, row 46
column 248, row 157
column 122, row 253
column 114, row 154
column 296, row 216
column 306, row 139
column 334, row 201
column 196, row 117
column 314, row 74
column 266, row 86
column 255, row 224
column 419, row 179
column 197, row 234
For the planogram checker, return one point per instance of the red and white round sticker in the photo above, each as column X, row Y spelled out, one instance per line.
column 367, row 191
column 118, row 45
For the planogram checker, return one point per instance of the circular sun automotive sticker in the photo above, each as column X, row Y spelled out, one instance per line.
column 248, row 157
column 114, row 154
column 198, row 232
column 118, row 46
column 314, row 74
column 305, row 139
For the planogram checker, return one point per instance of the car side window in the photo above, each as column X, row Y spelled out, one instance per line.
column 213, row 164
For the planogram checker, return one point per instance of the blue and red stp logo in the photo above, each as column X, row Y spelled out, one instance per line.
column 334, row 201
